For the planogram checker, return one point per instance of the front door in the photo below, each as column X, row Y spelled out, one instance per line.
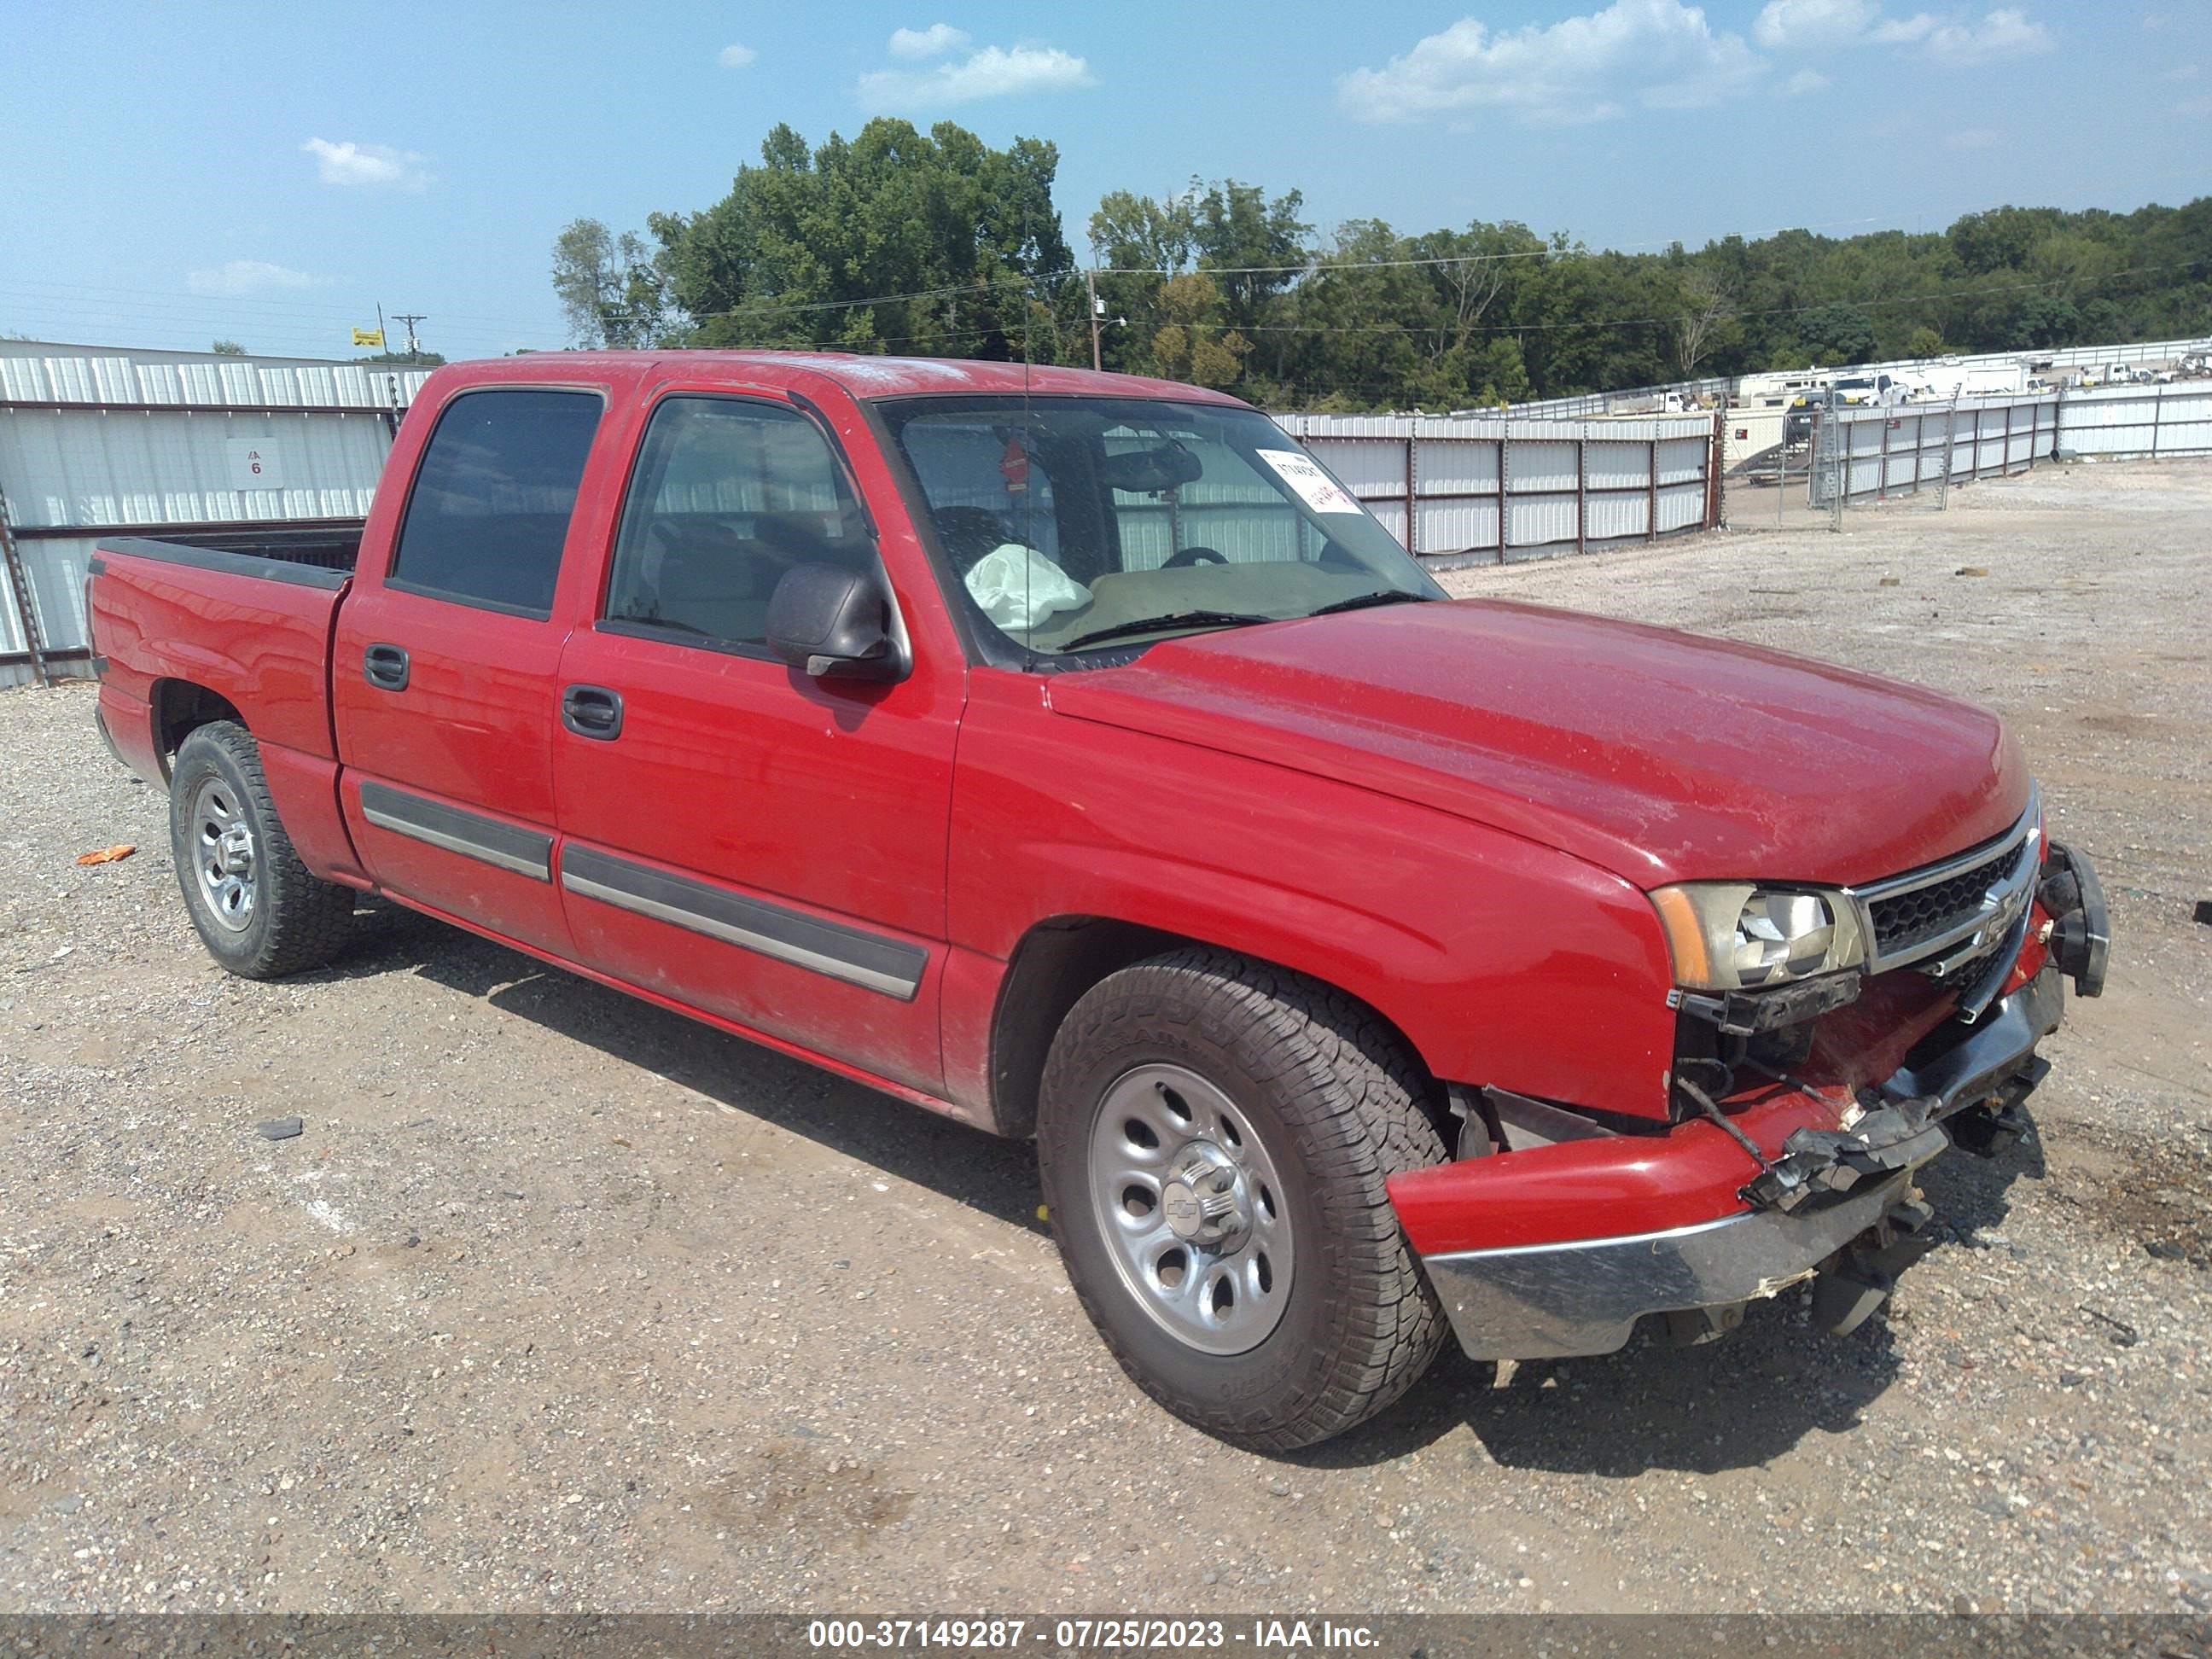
column 443, row 667
column 737, row 836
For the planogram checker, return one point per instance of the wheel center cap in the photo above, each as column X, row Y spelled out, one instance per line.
column 234, row 850
column 1203, row 1201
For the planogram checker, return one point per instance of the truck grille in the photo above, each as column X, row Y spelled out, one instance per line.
column 1911, row 919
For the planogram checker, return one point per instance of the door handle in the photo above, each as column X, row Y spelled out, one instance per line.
column 592, row 711
column 386, row 667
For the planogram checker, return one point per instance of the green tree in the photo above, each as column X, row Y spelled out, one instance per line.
column 1192, row 344
column 228, row 349
column 1254, row 247
column 937, row 243
column 613, row 291
column 894, row 240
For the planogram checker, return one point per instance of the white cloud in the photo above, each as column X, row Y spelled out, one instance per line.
column 1974, row 138
column 1810, row 25
column 933, row 42
column 1658, row 54
column 1803, row 82
column 993, row 72
column 1827, row 25
column 2004, row 34
column 373, row 166
column 1903, row 31
column 2180, row 72
column 241, row 276
column 735, row 56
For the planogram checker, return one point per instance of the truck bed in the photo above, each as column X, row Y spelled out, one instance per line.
column 322, row 557
column 244, row 616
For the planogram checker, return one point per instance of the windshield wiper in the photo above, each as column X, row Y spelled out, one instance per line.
column 1361, row 601
column 1168, row 619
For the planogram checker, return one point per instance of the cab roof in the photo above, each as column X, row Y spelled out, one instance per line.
column 864, row 377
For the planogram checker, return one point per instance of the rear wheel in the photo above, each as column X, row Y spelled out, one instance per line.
column 1214, row 1135
column 257, row 908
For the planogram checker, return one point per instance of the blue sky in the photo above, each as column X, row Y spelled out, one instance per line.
column 271, row 172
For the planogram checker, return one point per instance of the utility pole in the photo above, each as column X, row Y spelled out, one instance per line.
column 383, row 341
column 410, row 317
column 1091, row 287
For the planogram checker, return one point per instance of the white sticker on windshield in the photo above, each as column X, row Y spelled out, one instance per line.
column 1315, row 488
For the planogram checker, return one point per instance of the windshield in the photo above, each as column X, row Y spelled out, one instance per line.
column 1076, row 525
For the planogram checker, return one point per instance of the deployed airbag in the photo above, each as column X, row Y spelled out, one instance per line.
column 1019, row 587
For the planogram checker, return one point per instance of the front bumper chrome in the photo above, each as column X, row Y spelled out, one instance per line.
column 1547, row 1301
column 1551, row 1301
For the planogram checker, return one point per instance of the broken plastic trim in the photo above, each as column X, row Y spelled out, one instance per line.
column 1748, row 1014
column 1889, row 1139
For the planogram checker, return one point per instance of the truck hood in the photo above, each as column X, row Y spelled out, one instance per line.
column 1659, row 756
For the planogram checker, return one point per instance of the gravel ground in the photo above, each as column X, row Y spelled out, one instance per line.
column 560, row 1301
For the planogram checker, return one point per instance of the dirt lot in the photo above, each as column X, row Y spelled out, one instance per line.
column 560, row 1301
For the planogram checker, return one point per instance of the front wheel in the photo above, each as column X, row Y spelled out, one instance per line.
column 257, row 909
column 1213, row 1136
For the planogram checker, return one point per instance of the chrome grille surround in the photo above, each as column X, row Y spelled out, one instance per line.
column 1945, row 914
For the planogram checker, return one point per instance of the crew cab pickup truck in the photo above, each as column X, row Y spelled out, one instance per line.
column 1075, row 754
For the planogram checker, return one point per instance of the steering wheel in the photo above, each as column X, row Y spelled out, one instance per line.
column 1193, row 555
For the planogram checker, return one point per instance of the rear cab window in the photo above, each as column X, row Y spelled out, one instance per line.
column 488, row 512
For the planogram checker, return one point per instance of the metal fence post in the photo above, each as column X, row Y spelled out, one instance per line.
column 2157, row 415
column 18, row 581
column 1582, row 494
column 1504, row 496
column 1882, row 478
column 1840, row 476
column 1715, row 469
column 1412, row 510
column 1651, row 494
column 1950, row 454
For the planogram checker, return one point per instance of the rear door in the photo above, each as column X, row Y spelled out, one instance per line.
column 738, row 836
column 443, row 671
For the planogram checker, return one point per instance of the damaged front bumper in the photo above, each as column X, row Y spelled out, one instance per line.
column 1706, row 1230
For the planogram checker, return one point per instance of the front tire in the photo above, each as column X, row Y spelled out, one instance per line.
column 1213, row 1136
column 258, row 910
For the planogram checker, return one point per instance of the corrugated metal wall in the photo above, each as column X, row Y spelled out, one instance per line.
column 2138, row 420
column 1483, row 491
column 94, row 441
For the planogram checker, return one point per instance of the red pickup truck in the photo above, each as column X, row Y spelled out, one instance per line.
column 1074, row 755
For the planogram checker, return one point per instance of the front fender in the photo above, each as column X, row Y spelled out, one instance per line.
column 1503, row 961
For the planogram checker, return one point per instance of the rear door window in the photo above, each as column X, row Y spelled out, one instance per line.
column 493, row 497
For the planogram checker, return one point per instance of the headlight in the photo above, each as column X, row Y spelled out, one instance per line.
column 1732, row 936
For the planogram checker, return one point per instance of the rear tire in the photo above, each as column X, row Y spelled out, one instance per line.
column 257, row 908
column 1214, row 1135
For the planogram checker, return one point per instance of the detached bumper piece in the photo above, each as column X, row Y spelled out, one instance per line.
column 2081, row 928
column 1836, row 1201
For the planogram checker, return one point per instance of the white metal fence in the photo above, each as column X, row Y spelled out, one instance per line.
column 2138, row 421
column 1871, row 454
column 1457, row 491
column 95, row 443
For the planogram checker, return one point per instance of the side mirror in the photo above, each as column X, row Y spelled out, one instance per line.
column 835, row 623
